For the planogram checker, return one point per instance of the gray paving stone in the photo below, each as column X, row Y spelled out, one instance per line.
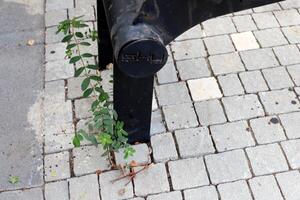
column 163, row 147
column 57, row 190
column 89, row 159
column 277, row 78
column 194, row 142
column 219, row 44
column 155, row 185
column 176, row 195
column 193, row 33
column 279, row 101
column 54, row 92
column 55, row 51
column 267, row 130
column 84, row 3
column 297, row 90
column 52, row 18
column 265, row 188
column 115, row 190
column 202, row 193
column 167, row 74
column 226, row 63
column 58, row 5
column 87, row 13
column 74, row 87
column 230, row 85
column 82, row 108
column 188, row 49
column 180, row 116
column 290, row 4
column 192, row 69
column 264, row 58
column 292, row 34
column 243, row 12
column 188, row 173
column 58, row 142
column 210, row 112
column 141, row 155
column 292, row 149
column 289, row 183
column 59, row 69
column 235, row 191
column 253, row 81
column 170, row 94
column 232, row 136
column 288, row 17
column 84, row 188
column 157, row 124
column 270, row 37
column 244, row 23
column 32, row 194
column 218, row 26
column 291, row 124
column 242, row 107
column 265, row 20
column 266, row 159
column 52, row 37
column 228, row 166
column 244, row 41
column 57, row 166
column 266, row 8
column 294, row 71
column 288, row 55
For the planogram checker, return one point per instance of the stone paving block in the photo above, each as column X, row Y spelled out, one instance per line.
column 202, row 193
column 244, row 23
column 83, row 107
column 297, row 90
column 232, row 136
column 204, row 89
column 288, row 17
column 288, row 55
column 235, row 191
column 253, row 81
column 59, row 69
column 291, row 124
column 84, row 188
column 219, row 44
column 155, row 178
column 270, row 37
column 194, row 142
column 167, row 74
column 141, row 155
column 277, row 78
column 243, row 12
column 264, row 58
column 290, row 4
column 244, row 41
column 210, row 112
column 230, row 84
column 188, row 49
column 292, row 149
column 58, row 5
column 218, row 26
column 188, row 173
column 265, row 20
column 115, row 190
column 84, row 3
column 228, row 166
column 57, row 166
column 279, row 101
column 266, row 159
column 157, row 124
column 54, row 92
column 52, row 18
column 170, row 94
column 267, row 130
column 192, row 69
column 86, row 12
column 57, row 190
column 58, row 142
column 180, row 116
column 266, row 8
column 289, row 183
column 292, row 34
column 163, row 147
column 242, row 107
column 226, row 63
column 74, row 87
column 52, row 37
column 176, row 195
column 193, row 33
column 32, row 194
column 294, row 71
column 89, row 159
column 55, row 52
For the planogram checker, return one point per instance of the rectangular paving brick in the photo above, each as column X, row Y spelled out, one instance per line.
column 57, row 166
column 176, row 195
column 219, row 44
column 204, row 89
column 266, row 8
column 230, row 85
column 294, row 71
column 265, row 20
column 167, row 74
column 218, row 26
column 253, row 81
column 202, row 193
column 84, row 187
column 157, row 124
column 291, row 33
column 288, row 17
column 289, row 183
column 57, row 190
column 288, row 55
column 59, row 69
column 58, row 142
column 58, row 4
column 238, row 190
column 52, row 18
column 193, row 33
column 192, row 69
column 291, row 124
column 226, row 63
column 270, row 37
column 244, row 41
column 141, row 155
column 188, row 49
column 292, row 149
column 244, row 23
column 277, row 78
column 32, row 194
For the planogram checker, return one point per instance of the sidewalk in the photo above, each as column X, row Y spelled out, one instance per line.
column 226, row 115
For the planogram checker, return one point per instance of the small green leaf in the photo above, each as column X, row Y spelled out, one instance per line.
column 67, row 38
column 85, row 44
column 75, row 59
column 96, row 78
column 87, row 55
column 78, row 71
column 87, row 93
column 95, row 67
column 79, row 34
column 70, row 46
column 14, row 179
column 85, row 83
column 129, row 151
column 76, row 141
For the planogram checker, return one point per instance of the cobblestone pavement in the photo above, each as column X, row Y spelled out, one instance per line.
column 226, row 115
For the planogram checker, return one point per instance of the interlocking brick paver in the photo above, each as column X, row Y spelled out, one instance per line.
column 294, row 71
column 55, row 51
column 51, row 36
column 270, row 37
column 235, row 191
column 32, row 194
column 279, row 101
column 194, row 142
column 244, row 41
column 288, row 17
column 59, row 69
column 141, row 155
column 202, row 193
column 266, row 8
column 157, row 124
column 287, row 55
column 290, row 4
column 226, row 63
column 188, row 173
column 242, row 107
column 265, row 20
column 243, row 12
column 87, row 13
column 277, row 78
column 176, row 195
column 253, row 81
column 289, row 183
column 230, row 85
column 219, row 44
column 192, row 69
column 83, row 108
column 218, row 26
column 292, row 149
column 58, row 142
column 267, row 130
column 84, row 187
column 265, row 188
column 204, row 89
column 163, row 147
column 74, row 87
column 188, row 49
column 291, row 124
column 193, row 33
column 57, row 166
column 58, row 4
column 52, row 18
column 167, row 74
column 57, row 190
column 292, row 33
column 228, row 166
column 232, row 136
column 244, row 23
column 267, row 159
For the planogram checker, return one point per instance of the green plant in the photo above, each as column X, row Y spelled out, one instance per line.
column 14, row 180
column 109, row 130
